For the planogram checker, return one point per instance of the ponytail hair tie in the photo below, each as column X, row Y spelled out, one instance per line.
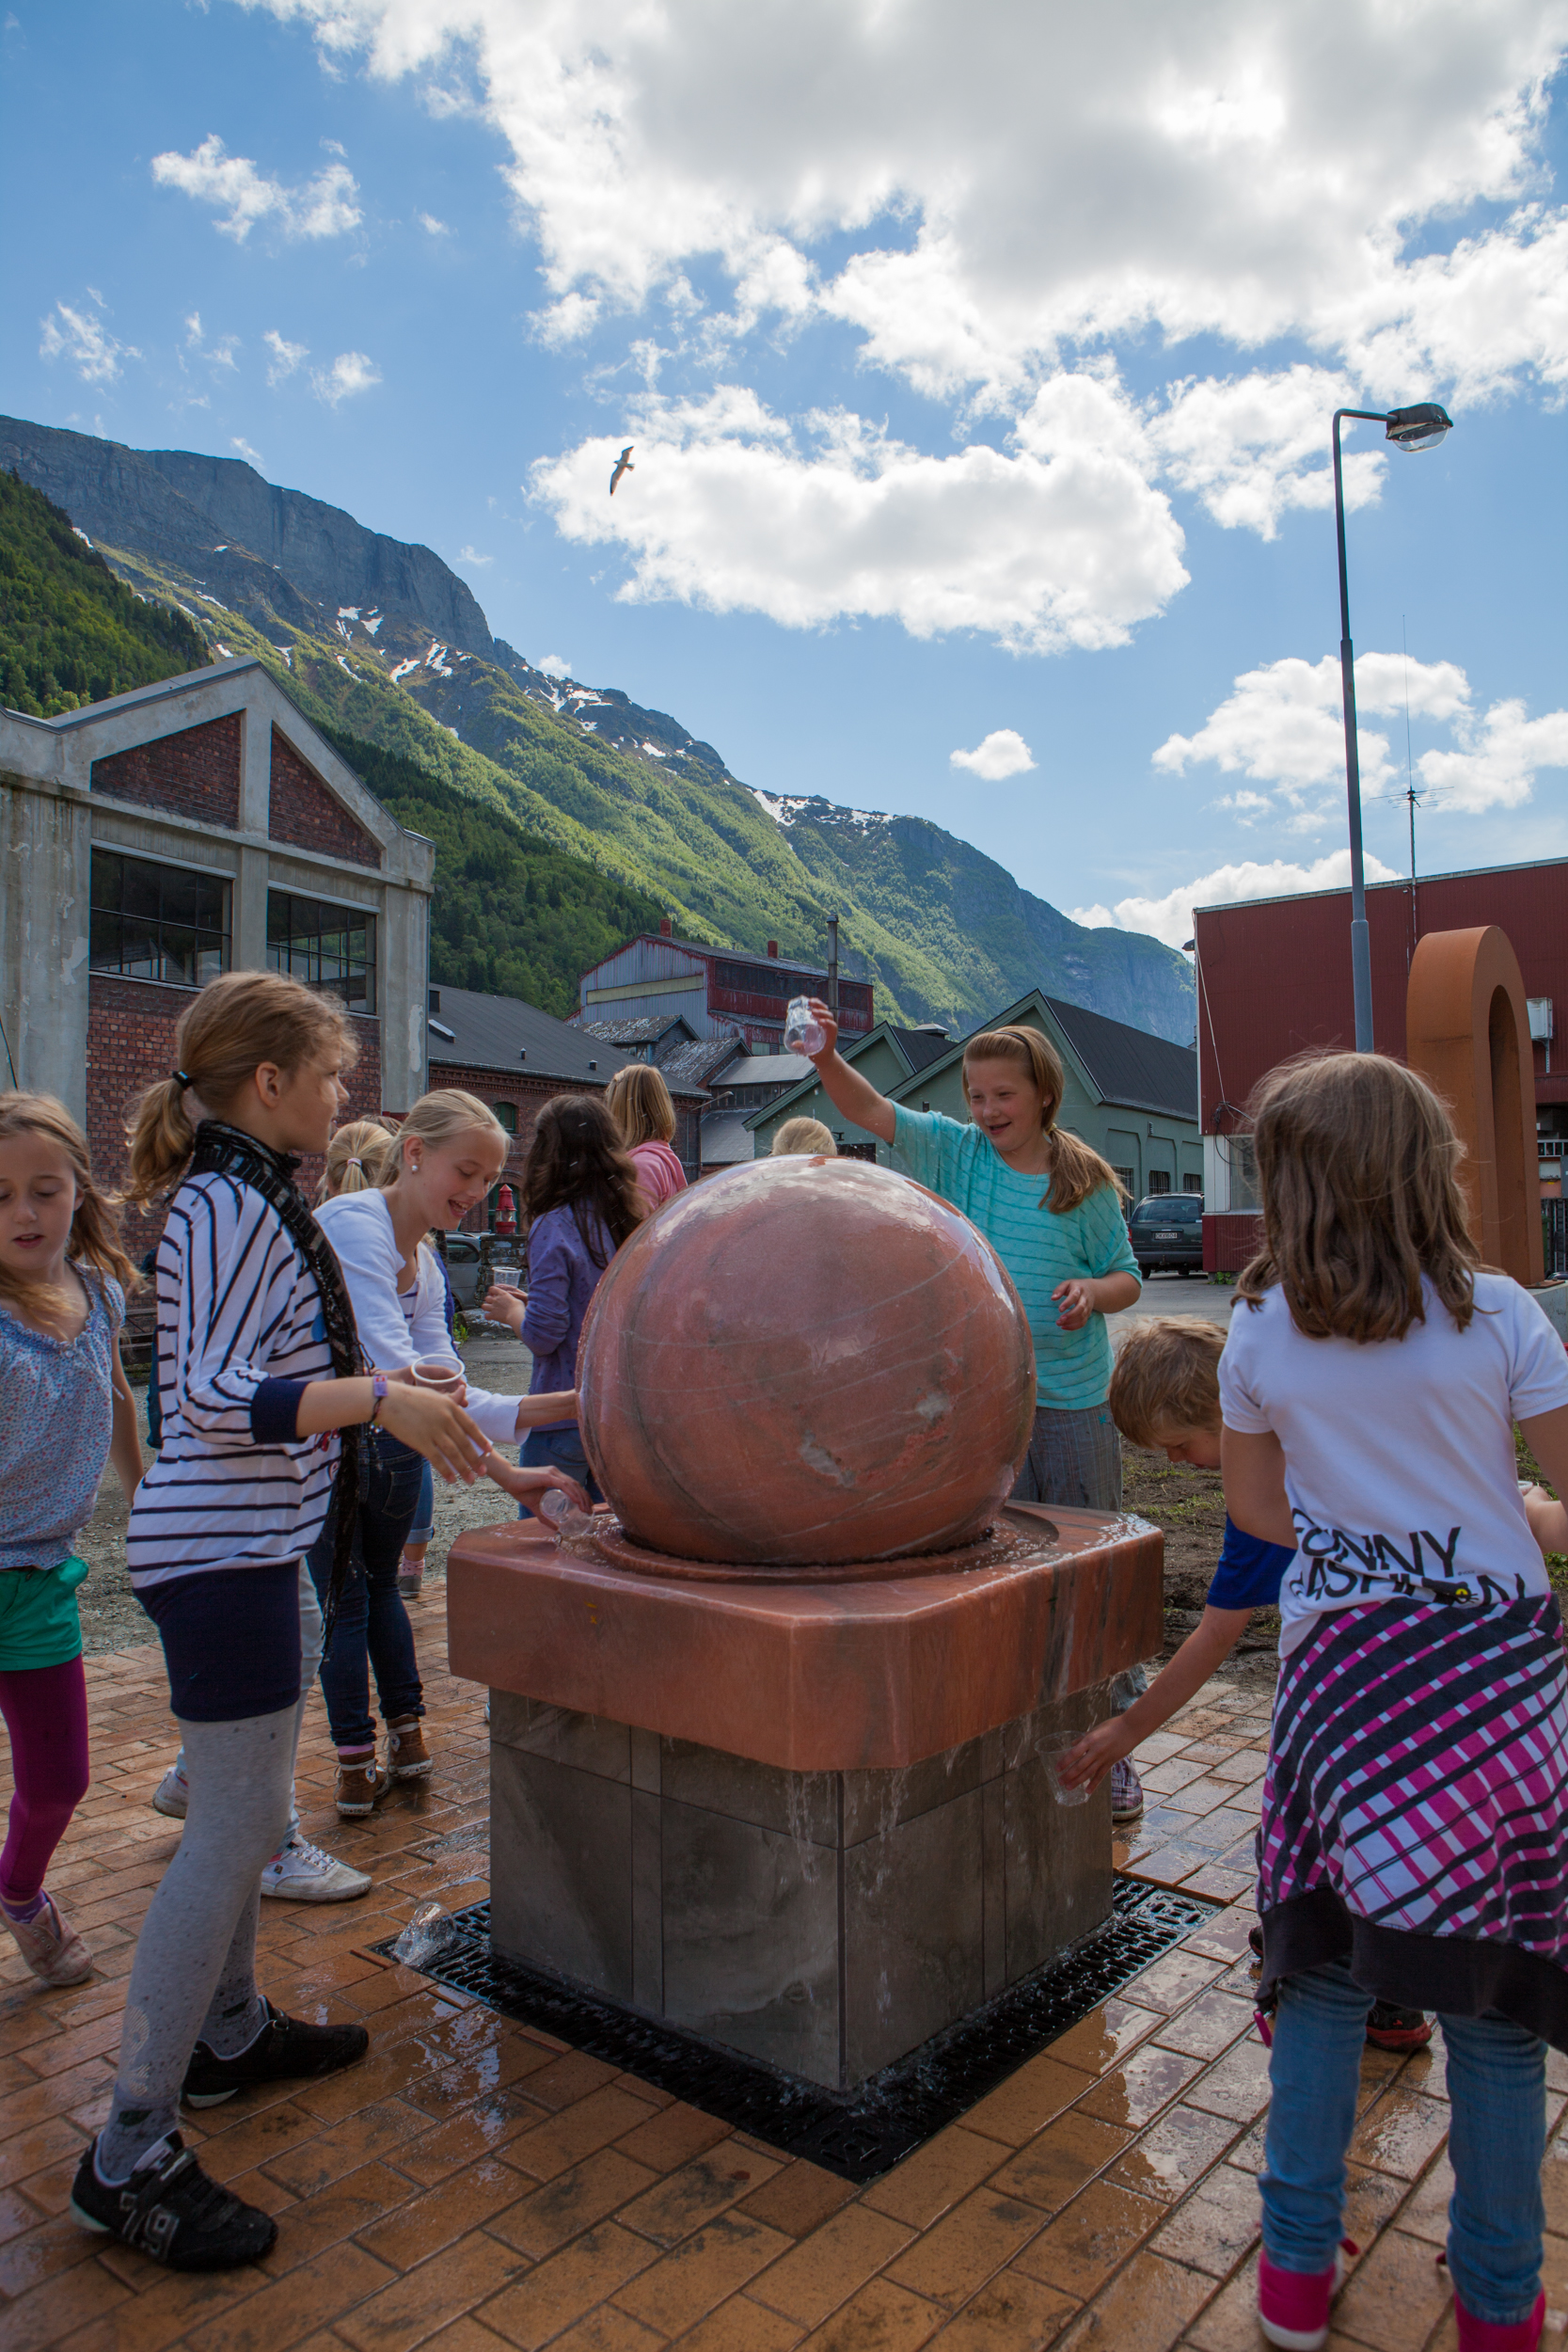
column 182, row 1079
column 357, row 1164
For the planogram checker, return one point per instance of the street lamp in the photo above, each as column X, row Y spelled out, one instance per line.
column 1421, row 427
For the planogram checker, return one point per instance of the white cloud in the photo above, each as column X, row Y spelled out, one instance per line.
column 251, row 457
column 86, row 343
column 1501, row 752
column 554, row 665
column 350, row 371
column 432, row 226
column 286, row 356
column 322, row 207
column 471, row 555
column 1003, row 752
column 1170, row 918
column 1057, row 541
column 1283, row 724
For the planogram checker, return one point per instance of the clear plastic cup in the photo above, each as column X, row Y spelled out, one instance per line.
column 440, row 1373
column 557, row 1509
column 1053, row 1750
column 508, row 1276
column 803, row 1033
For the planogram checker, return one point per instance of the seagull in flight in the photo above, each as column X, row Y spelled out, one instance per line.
column 622, row 465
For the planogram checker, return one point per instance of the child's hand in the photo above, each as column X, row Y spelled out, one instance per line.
column 1549, row 1520
column 1095, row 1754
column 1074, row 1304
column 527, row 1486
column 504, row 1303
column 829, row 1026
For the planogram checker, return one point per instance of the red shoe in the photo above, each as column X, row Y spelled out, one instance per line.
column 1292, row 2305
column 1490, row 2335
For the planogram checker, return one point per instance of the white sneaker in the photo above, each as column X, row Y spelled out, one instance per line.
column 172, row 1795
column 302, row 1873
column 50, row 1945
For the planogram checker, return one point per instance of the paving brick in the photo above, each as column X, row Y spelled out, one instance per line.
column 798, row 2199
column 881, row 2314
column 286, row 2309
column 685, row 2200
column 570, row 2284
column 948, row 2261
column 562, row 2209
column 1027, row 2101
column 702, row 2271
column 1146, row 2309
column 1060, row 2161
column 426, row 2296
column 927, row 2185
column 825, row 2269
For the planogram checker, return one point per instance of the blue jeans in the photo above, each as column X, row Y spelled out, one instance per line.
column 424, row 1510
column 373, row 1627
column 562, row 1450
column 1497, row 2086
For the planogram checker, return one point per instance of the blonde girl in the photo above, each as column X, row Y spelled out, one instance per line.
column 353, row 1158
column 64, row 1409
column 639, row 1101
column 265, row 1392
column 803, row 1135
column 1051, row 1210
column 444, row 1160
column 1415, row 1809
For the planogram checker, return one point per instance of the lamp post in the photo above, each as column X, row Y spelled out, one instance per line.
column 1421, row 427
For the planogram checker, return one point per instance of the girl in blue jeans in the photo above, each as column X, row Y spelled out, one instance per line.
column 582, row 1198
column 1415, row 1813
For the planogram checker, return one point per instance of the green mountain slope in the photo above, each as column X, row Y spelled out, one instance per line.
column 380, row 639
column 69, row 632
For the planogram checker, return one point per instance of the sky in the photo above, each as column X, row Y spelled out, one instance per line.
column 977, row 358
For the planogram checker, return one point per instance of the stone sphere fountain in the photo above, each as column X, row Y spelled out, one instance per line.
column 769, row 1736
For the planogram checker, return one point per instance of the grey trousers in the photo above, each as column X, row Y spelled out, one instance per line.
column 1074, row 1458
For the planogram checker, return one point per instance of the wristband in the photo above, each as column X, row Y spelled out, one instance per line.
column 378, row 1393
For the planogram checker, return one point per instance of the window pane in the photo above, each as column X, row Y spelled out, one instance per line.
column 143, row 889
column 103, row 954
column 106, row 877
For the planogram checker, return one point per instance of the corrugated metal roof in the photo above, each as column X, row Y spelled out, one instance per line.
column 505, row 1033
column 1129, row 1066
column 762, row 1069
column 726, row 1141
column 642, row 1029
column 693, row 1066
column 918, row 1046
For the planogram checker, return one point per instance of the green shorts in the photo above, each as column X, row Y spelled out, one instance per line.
column 39, row 1620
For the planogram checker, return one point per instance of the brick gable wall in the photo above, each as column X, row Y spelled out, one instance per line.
column 194, row 773
column 305, row 814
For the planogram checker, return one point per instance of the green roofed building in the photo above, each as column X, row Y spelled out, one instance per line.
column 1131, row 1095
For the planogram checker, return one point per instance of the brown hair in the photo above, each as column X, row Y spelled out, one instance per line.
column 804, row 1135
column 353, row 1158
column 94, row 1238
column 436, row 1117
column 1357, row 1165
column 639, row 1101
column 1077, row 1170
column 1166, row 1378
column 577, row 1161
column 235, row 1025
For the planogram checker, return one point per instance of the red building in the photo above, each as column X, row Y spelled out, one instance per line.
column 717, row 990
column 1274, row 980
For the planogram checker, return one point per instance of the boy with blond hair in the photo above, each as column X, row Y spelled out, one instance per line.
column 1165, row 1394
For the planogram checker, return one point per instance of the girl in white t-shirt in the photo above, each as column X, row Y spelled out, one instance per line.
column 1414, row 1809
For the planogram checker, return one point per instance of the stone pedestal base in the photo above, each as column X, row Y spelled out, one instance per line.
column 826, row 1922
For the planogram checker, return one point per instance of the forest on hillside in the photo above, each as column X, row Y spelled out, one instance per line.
column 69, row 632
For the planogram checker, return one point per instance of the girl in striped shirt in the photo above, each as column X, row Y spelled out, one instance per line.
column 259, row 1364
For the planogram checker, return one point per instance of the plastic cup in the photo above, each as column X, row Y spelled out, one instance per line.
column 506, row 1274
column 803, row 1033
column 437, row 1372
column 1053, row 1750
column 557, row 1509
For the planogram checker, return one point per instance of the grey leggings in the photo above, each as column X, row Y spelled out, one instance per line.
column 194, row 1977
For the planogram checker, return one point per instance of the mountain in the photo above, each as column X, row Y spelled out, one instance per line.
column 381, row 640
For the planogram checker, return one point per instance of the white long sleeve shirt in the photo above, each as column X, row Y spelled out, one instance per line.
column 402, row 1328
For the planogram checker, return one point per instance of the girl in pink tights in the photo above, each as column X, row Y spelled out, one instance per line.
column 64, row 1407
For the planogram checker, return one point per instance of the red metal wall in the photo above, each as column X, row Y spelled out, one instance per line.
column 1273, row 976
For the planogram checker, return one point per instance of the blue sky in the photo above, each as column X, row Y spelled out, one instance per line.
column 978, row 362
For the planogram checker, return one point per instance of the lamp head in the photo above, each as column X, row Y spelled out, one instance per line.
column 1421, row 427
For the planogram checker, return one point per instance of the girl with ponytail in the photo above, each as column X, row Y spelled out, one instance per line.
column 1051, row 1210
column 265, row 1391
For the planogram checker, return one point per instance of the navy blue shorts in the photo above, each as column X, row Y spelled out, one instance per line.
column 231, row 1641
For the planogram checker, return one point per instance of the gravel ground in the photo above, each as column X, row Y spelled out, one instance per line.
column 113, row 1618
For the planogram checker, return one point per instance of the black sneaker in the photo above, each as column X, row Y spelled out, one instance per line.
column 285, row 2050
column 1390, row 2028
column 173, row 2212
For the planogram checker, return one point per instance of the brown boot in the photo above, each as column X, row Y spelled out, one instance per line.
column 407, row 1757
column 361, row 1784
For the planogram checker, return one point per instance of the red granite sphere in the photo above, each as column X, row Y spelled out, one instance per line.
column 805, row 1361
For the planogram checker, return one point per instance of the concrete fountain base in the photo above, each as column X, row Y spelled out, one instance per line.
column 810, row 1823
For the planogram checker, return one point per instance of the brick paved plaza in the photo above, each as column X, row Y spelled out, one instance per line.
column 475, row 2185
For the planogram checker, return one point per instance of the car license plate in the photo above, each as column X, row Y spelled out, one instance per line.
column 1167, row 1234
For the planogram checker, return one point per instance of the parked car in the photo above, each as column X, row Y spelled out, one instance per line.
column 1166, row 1230
column 465, row 1272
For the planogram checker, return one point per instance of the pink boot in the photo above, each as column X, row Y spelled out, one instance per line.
column 1292, row 2305
column 1490, row 2335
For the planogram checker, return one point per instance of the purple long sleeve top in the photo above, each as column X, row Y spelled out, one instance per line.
column 562, row 1279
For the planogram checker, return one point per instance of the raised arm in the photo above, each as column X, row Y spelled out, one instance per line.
column 847, row 1091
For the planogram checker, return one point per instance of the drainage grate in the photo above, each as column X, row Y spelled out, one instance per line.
column 864, row 2133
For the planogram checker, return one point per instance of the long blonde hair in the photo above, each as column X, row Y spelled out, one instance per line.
column 1359, row 1168
column 436, row 1118
column 639, row 1101
column 1077, row 1170
column 94, row 1238
column 353, row 1158
column 235, row 1025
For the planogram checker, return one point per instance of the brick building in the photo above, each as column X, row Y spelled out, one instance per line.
column 515, row 1058
column 194, row 827
column 715, row 989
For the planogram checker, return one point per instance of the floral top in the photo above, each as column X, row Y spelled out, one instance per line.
column 56, row 1419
